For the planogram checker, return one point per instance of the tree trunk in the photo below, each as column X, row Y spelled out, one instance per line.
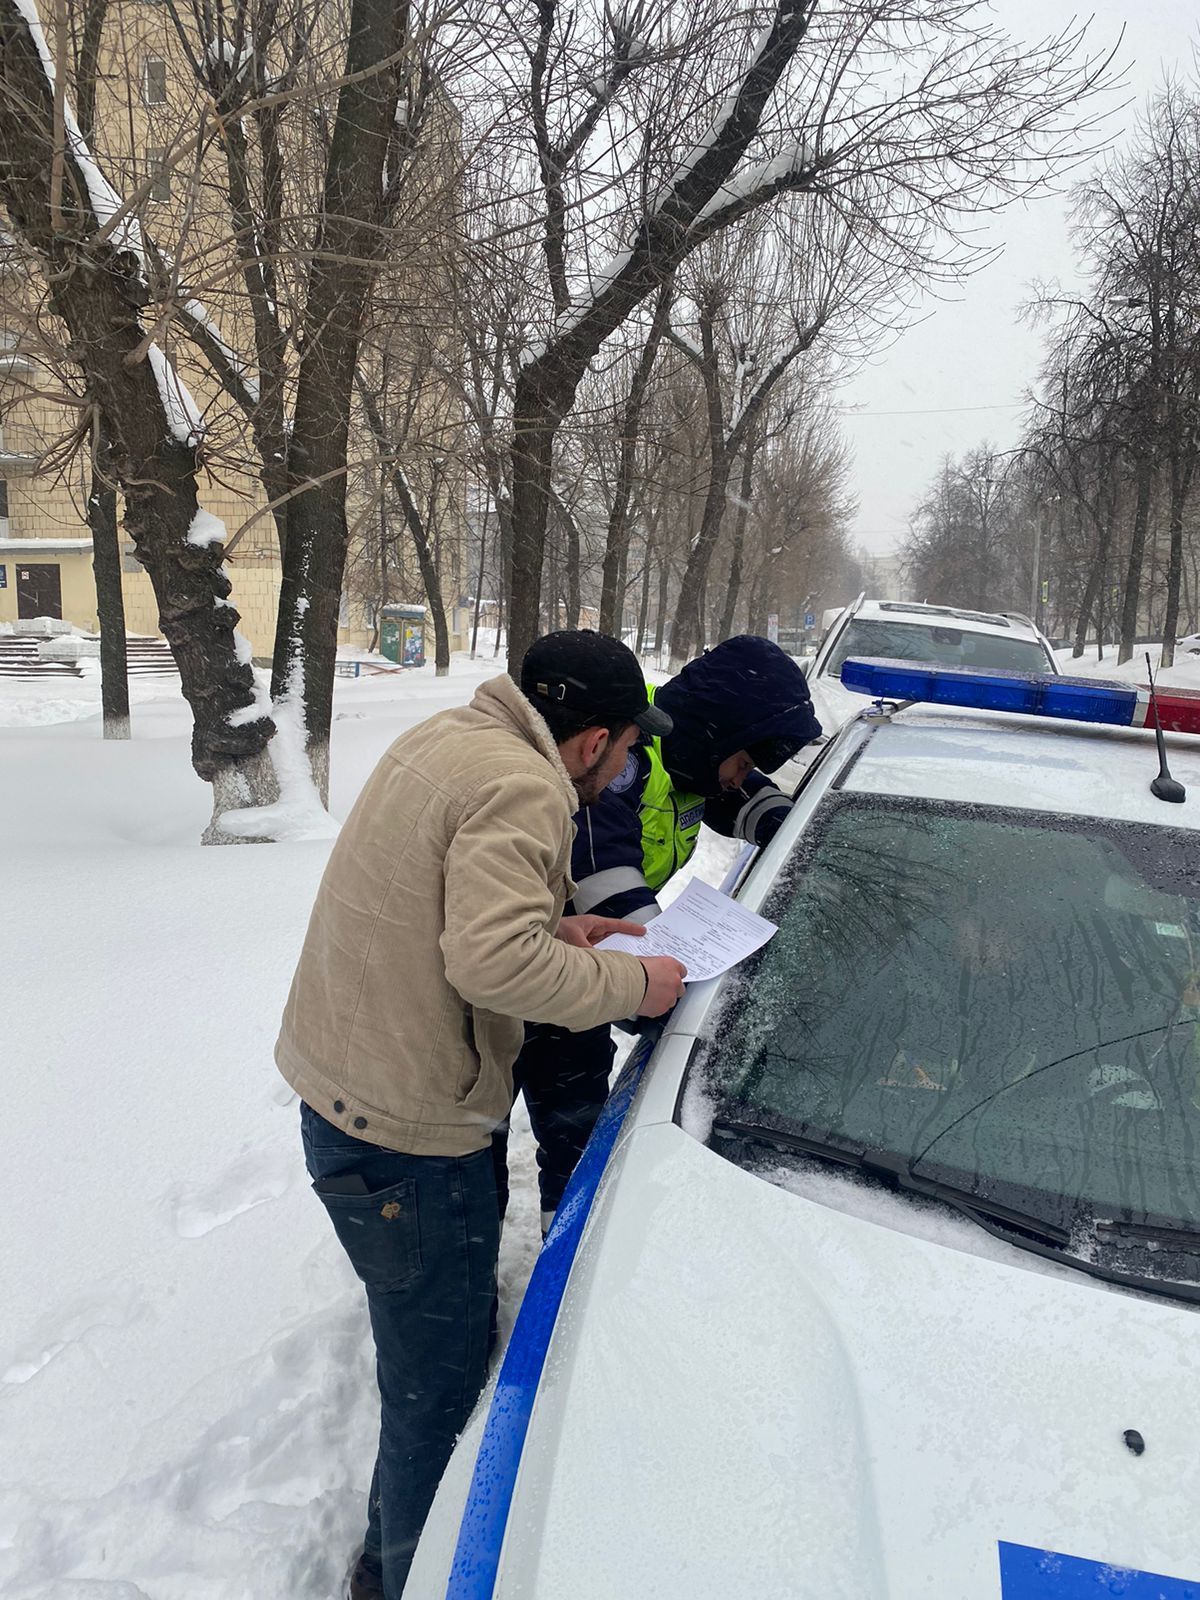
column 1137, row 550
column 426, row 559
column 483, row 533
column 430, row 577
column 660, row 620
column 757, row 622
column 504, row 517
column 537, row 410
column 572, row 567
column 622, row 591
column 616, row 543
column 644, row 603
column 725, row 626
column 689, row 621
column 110, row 600
column 343, row 267
column 1180, row 483
column 1091, row 594
column 97, row 291
column 377, row 628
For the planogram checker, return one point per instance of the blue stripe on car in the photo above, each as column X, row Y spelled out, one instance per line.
column 481, row 1533
column 485, row 1516
column 1029, row 1574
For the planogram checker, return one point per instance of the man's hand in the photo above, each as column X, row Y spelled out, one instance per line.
column 664, row 984
column 587, row 930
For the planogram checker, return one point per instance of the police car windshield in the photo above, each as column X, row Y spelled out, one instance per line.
column 1007, row 1001
column 946, row 645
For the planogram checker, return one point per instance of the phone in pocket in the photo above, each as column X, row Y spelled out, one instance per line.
column 342, row 1183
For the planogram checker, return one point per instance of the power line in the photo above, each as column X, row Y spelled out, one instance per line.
column 934, row 411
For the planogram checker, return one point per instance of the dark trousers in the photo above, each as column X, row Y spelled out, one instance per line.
column 564, row 1078
column 422, row 1233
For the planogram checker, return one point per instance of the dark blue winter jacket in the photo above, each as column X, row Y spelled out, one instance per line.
column 744, row 694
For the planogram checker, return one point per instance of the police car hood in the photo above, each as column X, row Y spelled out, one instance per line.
column 744, row 692
column 756, row 1392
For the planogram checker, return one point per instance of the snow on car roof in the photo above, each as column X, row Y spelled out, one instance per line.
column 930, row 752
column 1009, row 624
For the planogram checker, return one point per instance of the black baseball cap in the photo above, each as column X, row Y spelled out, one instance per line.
column 590, row 674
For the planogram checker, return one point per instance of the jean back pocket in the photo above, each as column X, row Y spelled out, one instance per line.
column 380, row 1232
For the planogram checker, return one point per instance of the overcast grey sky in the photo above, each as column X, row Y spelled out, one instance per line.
column 958, row 378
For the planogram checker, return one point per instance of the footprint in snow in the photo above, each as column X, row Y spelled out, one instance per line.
column 108, row 1306
column 254, row 1178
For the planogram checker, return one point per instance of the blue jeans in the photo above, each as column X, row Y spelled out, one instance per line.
column 422, row 1232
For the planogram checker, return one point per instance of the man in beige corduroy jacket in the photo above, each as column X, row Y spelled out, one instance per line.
column 438, row 930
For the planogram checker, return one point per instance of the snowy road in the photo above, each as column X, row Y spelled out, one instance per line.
column 186, row 1395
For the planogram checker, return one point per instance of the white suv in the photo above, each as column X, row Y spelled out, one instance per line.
column 945, row 636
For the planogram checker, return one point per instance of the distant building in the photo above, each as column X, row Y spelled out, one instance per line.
column 883, row 576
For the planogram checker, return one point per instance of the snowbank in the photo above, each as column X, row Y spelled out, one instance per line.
column 1185, row 674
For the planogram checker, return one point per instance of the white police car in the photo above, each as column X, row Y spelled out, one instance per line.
column 952, row 636
column 880, row 1278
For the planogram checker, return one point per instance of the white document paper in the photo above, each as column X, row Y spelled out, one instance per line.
column 703, row 928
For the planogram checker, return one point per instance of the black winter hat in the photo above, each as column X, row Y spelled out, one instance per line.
column 744, row 694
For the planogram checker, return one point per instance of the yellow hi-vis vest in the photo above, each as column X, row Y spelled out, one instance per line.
column 671, row 819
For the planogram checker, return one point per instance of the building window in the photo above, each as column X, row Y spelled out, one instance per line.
column 159, row 174
column 3, row 499
column 154, row 81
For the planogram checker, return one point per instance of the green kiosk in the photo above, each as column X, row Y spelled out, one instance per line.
column 402, row 635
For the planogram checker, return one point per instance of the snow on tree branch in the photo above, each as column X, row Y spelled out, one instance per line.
column 105, row 201
column 229, row 366
column 180, row 411
column 712, row 159
column 792, row 169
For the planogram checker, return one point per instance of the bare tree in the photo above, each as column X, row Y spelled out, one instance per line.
column 650, row 132
column 95, row 262
column 293, row 131
column 1117, row 423
column 616, row 544
column 758, row 307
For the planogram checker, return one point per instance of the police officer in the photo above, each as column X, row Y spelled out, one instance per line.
column 738, row 711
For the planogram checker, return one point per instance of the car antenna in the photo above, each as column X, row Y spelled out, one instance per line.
column 1164, row 787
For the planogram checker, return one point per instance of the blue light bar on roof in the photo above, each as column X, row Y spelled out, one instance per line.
column 1117, row 705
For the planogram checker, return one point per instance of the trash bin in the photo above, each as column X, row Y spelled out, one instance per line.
column 402, row 635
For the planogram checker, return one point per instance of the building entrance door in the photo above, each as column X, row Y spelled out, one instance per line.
column 39, row 590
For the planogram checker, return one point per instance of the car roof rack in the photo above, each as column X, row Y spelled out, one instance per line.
column 997, row 618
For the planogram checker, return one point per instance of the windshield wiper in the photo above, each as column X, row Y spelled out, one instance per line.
column 1021, row 1229
column 894, row 1171
column 1178, row 1238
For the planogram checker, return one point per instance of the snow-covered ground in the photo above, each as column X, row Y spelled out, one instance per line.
column 1185, row 674
column 186, row 1388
